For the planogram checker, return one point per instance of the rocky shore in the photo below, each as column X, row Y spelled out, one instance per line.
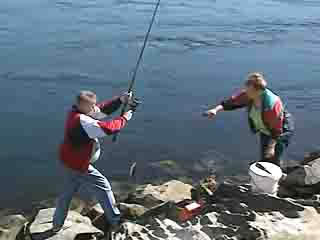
column 231, row 211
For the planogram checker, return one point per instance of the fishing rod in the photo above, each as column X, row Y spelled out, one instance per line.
column 114, row 139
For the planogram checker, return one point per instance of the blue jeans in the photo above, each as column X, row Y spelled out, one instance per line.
column 281, row 145
column 95, row 183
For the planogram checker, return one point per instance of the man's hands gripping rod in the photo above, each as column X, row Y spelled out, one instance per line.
column 131, row 102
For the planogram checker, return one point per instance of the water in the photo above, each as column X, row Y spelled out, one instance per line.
column 199, row 52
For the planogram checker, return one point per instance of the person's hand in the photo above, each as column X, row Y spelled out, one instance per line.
column 270, row 153
column 210, row 113
column 128, row 115
column 126, row 97
column 270, row 149
column 134, row 103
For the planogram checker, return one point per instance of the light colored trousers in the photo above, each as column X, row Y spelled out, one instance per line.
column 96, row 184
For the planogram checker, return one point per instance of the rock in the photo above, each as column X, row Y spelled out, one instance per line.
column 167, row 168
column 11, row 225
column 312, row 170
column 93, row 212
column 131, row 211
column 161, row 211
column 146, row 200
column 161, row 171
column 311, row 226
column 128, row 211
column 211, row 162
column 310, row 157
column 78, row 226
column 150, row 196
column 205, row 189
column 96, row 215
column 302, row 181
column 295, row 177
column 233, row 213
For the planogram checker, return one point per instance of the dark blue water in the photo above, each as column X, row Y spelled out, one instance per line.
column 199, row 52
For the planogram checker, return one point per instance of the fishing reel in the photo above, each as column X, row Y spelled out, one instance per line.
column 134, row 103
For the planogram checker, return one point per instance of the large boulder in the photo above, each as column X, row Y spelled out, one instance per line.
column 150, row 196
column 128, row 212
column 302, row 181
column 234, row 212
column 76, row 226
column 11, row 225
column 131, row 211
column 312, row 170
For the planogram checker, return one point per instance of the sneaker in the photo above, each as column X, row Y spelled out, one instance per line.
column 56, row 229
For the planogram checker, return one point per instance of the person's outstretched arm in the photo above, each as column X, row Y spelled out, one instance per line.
column 235, row 102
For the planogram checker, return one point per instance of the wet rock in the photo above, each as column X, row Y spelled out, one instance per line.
column 76, row 226
column 234, row 212
column 11, row 225
column 131, row 211
column 302, row 181
column 150, row 196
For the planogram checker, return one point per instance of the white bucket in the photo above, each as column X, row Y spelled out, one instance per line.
column 265, row 180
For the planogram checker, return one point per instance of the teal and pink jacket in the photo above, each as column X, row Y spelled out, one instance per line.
column 274, row 114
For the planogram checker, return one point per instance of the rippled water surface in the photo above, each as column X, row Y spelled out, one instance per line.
column 198, row 52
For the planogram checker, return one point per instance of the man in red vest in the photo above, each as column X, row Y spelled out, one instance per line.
column 80, row 148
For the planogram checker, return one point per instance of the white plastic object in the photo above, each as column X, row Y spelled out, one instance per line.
column 265, row 181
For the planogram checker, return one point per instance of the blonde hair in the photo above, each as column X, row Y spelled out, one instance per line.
column 87, row 96
column 257, row 81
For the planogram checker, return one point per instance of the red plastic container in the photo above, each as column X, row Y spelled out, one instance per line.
column 188, row 209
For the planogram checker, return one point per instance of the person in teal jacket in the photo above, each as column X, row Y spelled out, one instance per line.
column 267, row 116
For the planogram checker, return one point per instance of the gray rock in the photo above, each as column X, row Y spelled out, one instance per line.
column 10, row 226
column 131, row 211
column 93, row 212
column 312, row 170
column 310, row 157
column 78, row 226
column 167, row 168
column 302, row 181
column 150, row 196
column 296, row 177
column 233, row 213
